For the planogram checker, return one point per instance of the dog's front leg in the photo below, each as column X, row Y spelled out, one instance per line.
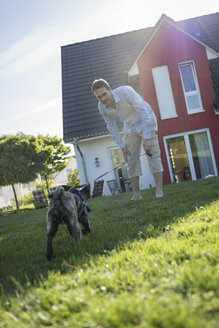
column 74, row 229
column 51, row 231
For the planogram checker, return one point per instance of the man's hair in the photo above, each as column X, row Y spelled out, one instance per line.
column 99, row 83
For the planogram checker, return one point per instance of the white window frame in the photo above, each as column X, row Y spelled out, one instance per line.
column 191, row 93
column 189, row 152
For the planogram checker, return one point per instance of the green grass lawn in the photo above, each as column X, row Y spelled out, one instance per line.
column 149, row 263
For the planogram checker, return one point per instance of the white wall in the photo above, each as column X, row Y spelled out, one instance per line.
column 100, row 147
column 6, row 193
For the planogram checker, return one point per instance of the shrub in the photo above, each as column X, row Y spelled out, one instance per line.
column 6, row 209
column 73, row 178
column 41, row 205
column 26, row 200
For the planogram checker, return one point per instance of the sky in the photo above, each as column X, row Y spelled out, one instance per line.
column 32, row 33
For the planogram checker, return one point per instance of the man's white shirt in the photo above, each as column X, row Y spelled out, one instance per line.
column 132, row 110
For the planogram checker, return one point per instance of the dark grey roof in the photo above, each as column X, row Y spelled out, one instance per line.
column 107, row 57
column 204, row 28
column 110, row 57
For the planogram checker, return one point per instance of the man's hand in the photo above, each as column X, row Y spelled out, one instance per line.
column 147, row 144
column 125, row 152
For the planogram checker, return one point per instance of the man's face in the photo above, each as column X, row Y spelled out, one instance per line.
column 104, row 96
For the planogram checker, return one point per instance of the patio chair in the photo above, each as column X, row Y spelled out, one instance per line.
column 39, row 197
column 113, row 186
column 98, row 188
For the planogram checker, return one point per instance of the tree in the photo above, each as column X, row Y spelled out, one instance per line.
column 41, row 184
column 56, row 160
column 22, row 158
column 73, row 178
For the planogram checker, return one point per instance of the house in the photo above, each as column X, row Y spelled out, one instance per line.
column 175, row 67
column 61, row 177
column 7, row 194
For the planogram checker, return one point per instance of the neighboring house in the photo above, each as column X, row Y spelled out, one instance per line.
column 175, row 67
column 7, row 195
column 62, row 177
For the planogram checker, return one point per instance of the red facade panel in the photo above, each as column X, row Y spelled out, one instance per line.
column 170, row 46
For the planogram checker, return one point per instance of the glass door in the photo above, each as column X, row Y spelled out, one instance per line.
column 121, row 173
column 201, row 155
column 190, row 156
column 178, row 159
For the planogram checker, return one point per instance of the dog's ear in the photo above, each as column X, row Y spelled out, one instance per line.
column 85, row 191
column 66, row 188
column 50, row 195
column 84, row 188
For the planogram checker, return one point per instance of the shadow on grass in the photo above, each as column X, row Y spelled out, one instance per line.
column 114, row 219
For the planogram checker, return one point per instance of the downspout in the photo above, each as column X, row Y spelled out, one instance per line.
column 76, row 142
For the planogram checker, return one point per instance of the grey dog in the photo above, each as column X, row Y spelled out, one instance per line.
column 65, row 208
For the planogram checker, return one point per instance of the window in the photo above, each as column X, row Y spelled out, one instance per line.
column 190, row 156
column 164, row 92
column 190, row 88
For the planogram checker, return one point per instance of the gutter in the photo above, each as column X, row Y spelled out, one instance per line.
column 76, row 143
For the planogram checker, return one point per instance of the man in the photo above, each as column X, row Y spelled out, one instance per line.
column 140, row 124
